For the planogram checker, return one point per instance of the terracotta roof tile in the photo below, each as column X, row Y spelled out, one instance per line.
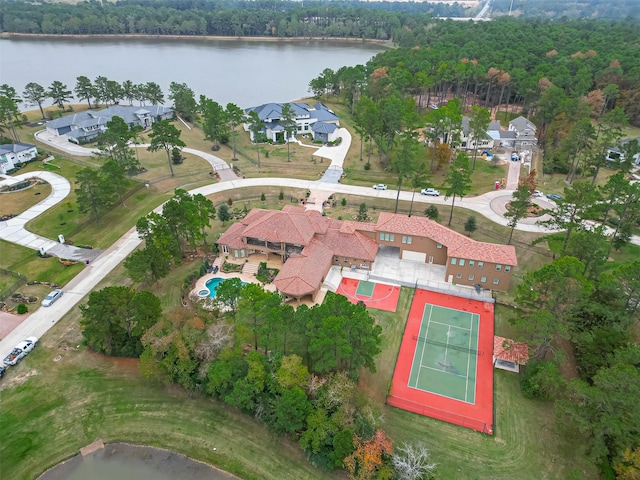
column 458, row 245
column 510, row 351
column 285, row 226
column 233, row 236
column 302, row 274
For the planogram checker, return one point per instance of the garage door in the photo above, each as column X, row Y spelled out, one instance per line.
column 415, row 256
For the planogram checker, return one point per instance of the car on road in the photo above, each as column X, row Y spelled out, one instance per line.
column 379, row 186
column 538, row 193
column 20, row 351
column 51, row 298
column 430, row 191
column 554, row 196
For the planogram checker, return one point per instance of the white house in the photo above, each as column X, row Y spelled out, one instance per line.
column 317, row 120
column 468, row 142
column 14, row 154
column 615, row 154
column 525, row 132
column 85, row 126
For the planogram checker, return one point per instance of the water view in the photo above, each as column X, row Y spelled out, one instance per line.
column 123, row 461
column 245, row 72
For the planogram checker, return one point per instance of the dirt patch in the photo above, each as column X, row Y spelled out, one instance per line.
column 15, row 380
column 126, row 365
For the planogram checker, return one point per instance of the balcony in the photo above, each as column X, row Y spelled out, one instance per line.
column 256, row 242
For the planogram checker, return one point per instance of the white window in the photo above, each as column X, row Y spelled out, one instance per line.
column 346, row 260
column 454, row 261
column 496, row 281
column 472, row 263
column 498, row 267
column 242, row 253
column 336, row 259
column 381, row 236
column 235, row 253
column 458, row 275
column 439, row 245
column 225, row 249
column 471, row 277
column 480, row 265
column 483, row 279
column 507, row 268
column 404, row 239
column 461, row 263
column 409, row 240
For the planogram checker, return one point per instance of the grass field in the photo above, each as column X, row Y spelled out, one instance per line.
column 14, row 203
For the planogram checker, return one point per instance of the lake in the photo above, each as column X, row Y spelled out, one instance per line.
column 245, row 72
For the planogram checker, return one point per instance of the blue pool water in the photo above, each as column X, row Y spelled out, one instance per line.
column 212, row 285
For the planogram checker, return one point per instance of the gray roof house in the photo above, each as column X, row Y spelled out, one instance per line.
column 318, row 120
column 615, row 154
column 14, row 154
column 85, row 126
column 468, row 142
column 525, row 133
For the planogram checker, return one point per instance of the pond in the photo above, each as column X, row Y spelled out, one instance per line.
column 124, row 461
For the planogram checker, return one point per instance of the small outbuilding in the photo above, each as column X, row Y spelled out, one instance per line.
column 509, row 354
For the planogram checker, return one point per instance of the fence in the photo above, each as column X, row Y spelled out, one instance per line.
column 7, row 292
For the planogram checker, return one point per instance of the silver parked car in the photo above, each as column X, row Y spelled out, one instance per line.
column 430, row 191
column 51, row 298
column 379, row 186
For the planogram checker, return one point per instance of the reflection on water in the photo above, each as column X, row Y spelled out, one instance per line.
column 120, row 461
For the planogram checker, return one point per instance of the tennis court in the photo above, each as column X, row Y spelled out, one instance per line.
column 444, row 368
column 446, row 353
column 374, row 295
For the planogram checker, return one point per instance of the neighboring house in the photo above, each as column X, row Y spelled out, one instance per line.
column 614, row 154
column 317, row 120
column 468, row 142
column 83, row 127
column 509, row 355
column 14, row 154
column 308, row 244
column 525, row 130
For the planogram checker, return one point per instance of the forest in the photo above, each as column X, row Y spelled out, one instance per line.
column 247, row 19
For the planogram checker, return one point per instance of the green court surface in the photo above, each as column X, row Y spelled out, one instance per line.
column 446, row 353
column 365, row 288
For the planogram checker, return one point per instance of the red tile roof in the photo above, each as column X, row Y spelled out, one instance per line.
column 302, row 274
column 233, row 236
column 510, row 351
column 285, row 226
column 458, row 245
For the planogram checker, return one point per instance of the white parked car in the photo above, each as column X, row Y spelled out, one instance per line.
column 51, row 298
column 379, row 186
column 430, row 191
column 20, row 351
column 538, row 193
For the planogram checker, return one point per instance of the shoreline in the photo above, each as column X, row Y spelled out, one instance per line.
column 387, row 43
column 162, row 459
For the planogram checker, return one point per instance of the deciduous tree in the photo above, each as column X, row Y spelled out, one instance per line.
column 458, row 181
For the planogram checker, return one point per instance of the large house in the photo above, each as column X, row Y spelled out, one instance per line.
column 615, row 154
column 316, row 120
column 15, row 154
column 85, row 126
column 309, row 245
column 469, row 142
column 525, row 133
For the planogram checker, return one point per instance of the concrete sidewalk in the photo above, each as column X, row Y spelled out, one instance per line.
column 14, row 231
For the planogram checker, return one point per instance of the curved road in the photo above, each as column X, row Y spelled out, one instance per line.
column 491, row 205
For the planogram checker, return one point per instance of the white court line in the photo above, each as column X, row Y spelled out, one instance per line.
column 424, row 344
column 413, row 363
column 444, row 371
column 466, row 388
column 451, row 326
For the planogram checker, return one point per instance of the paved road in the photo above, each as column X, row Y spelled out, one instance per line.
column 491, row 205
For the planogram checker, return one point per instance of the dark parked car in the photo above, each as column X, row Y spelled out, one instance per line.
column 554, row 196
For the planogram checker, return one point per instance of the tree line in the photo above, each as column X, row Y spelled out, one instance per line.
column 295, row 371
column 217, row 18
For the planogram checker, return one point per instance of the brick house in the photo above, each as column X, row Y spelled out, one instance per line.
column 309, row 244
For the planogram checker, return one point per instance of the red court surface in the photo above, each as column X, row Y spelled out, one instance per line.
column 477, row 416
column 384, row 297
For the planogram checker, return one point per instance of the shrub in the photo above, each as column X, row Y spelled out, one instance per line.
column 22, row 309
column 432, row 213
column 263, row 197
column 367, row 166
column 344, row 202
column 541, row 379
column 281, row 195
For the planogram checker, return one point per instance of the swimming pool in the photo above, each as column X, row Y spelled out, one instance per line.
column 211, row 286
